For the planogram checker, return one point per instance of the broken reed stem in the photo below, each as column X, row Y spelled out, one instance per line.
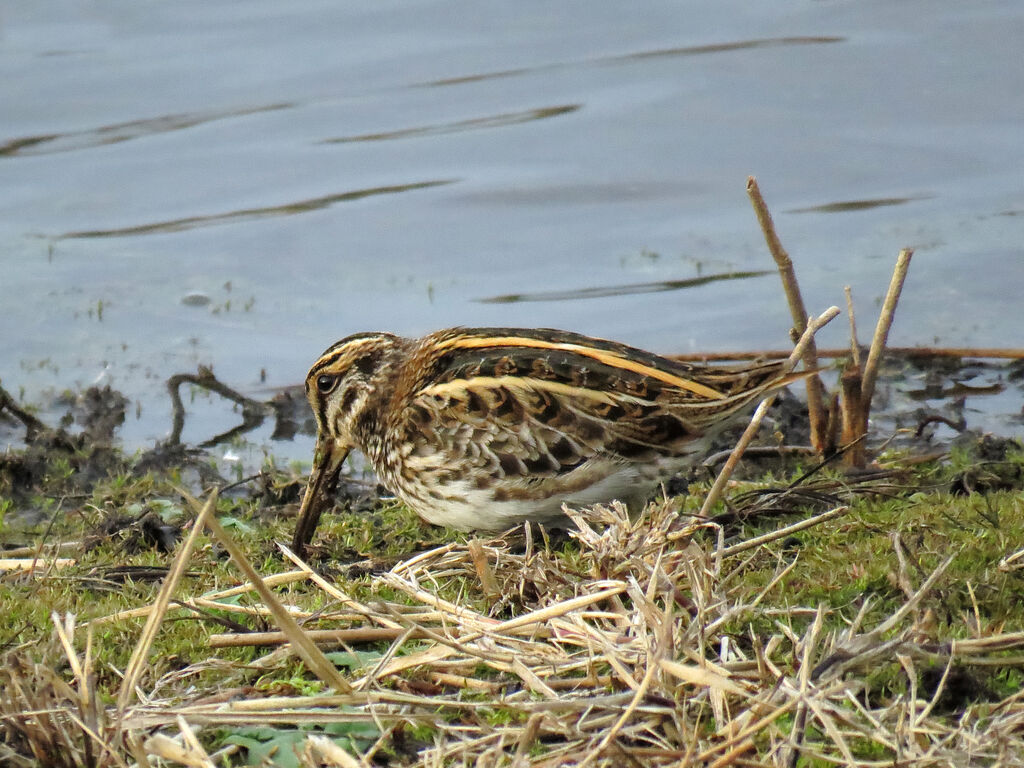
column 854, row 419
column 483, row 569
column 133, row 671
column 319, row 636
column 782, row 260
column 730, row 465
column 755, row 422
column 994, row 353
column 815, row 389
column 854, row 344
column 26, row 564
column 305, row 648
column 782, row 533
column 899, row 275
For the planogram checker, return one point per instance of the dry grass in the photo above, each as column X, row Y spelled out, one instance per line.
column 665, row 640
column 638, row 646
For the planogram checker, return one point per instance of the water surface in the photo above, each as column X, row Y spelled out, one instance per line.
column 239, row 184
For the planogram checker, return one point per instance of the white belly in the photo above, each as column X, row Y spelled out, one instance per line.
column 466, row 508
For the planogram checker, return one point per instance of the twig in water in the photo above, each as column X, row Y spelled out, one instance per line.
column 253, row 411
column 899, row 275
column 959, row 424
column 33, row 426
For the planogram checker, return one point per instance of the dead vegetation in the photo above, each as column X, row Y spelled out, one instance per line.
column 879, row 628
column 644, row 646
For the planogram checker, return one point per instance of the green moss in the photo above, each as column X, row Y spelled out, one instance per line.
column 888, row 543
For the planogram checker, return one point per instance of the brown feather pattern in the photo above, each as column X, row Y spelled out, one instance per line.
column 486, row 427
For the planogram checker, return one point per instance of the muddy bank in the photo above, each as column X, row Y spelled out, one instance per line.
column 924, row 405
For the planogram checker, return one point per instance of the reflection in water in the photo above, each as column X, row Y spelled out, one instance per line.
column 288, row 406
column 956, row 390
column 857, row 205
column 579, row 194
column 493, row 121
column 619, row 290
column 690, row 50
column 740, row 45
column 247, row 214
column 118, row 132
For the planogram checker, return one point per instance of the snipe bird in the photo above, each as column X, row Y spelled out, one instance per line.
column 483, row 428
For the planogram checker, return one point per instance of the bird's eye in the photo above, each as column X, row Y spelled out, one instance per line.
column 326, row 383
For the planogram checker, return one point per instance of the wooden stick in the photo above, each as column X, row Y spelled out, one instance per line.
column 855, row 420
column 782, row 533
column 854, row 344
column 483, row 569
column 319, row 636
column 782, row 260
column 815, row 389
column 993, row 353
column 312, row 656
column 182, row 560
column 755, row 422
column 899, row 275
column 32, row 425
column 34, row 563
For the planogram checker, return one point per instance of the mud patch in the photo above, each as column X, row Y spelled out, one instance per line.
column 60, row 462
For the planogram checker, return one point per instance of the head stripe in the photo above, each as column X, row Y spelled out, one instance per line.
column 345, row 348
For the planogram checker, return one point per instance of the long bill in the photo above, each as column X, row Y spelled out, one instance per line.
column 323, row 482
